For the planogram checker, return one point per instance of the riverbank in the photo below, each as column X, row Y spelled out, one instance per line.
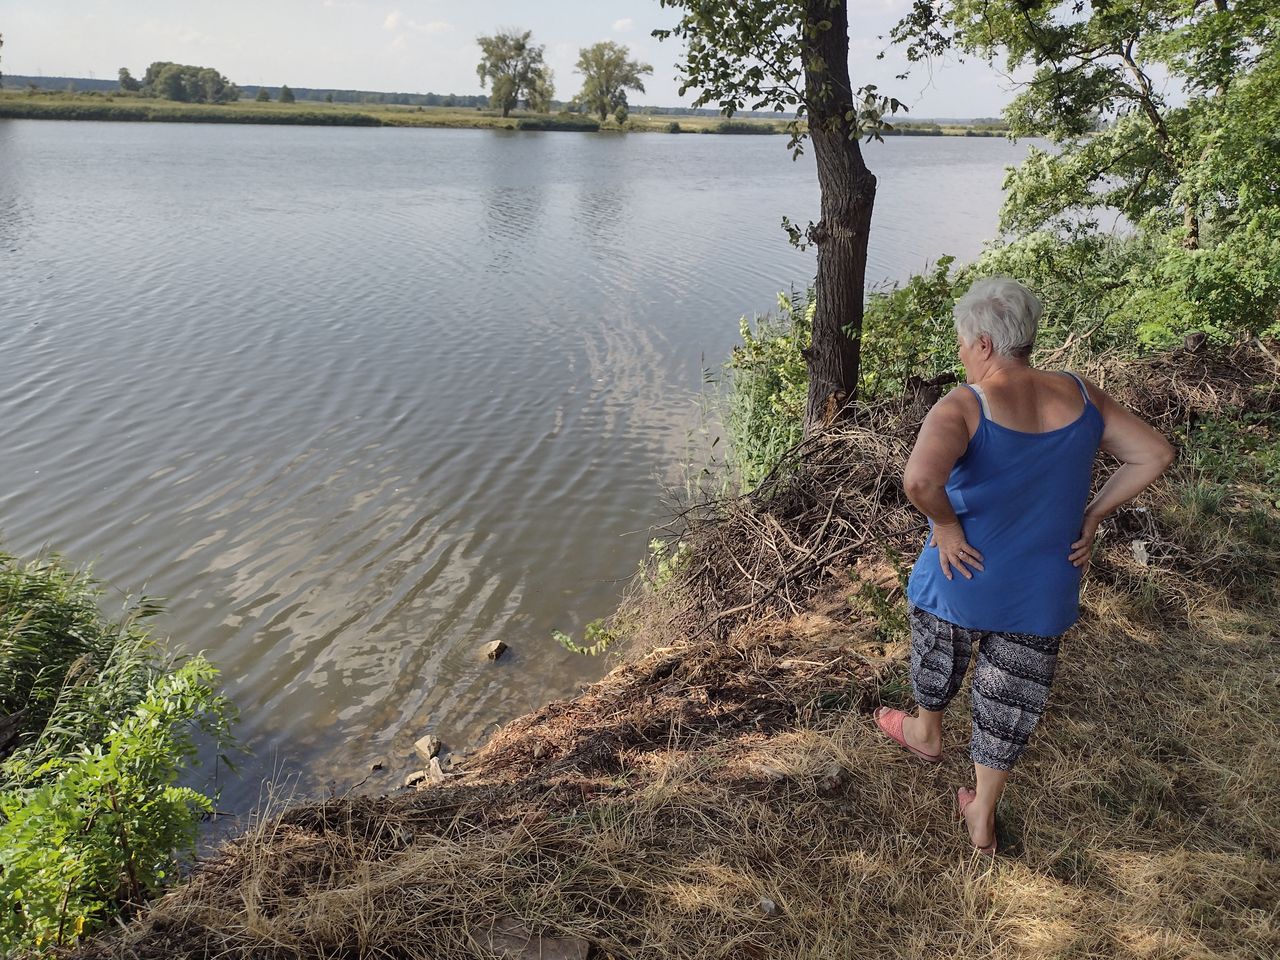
column 723, row 791
column 94, row 106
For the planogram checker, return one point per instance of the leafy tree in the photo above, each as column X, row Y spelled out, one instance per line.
column 188, row 84
column 608, row 72
column 128, row 83
column 515, row 69
column 541, row 91
column 795, row 54
column 328, row 98
column 286, row 95
column 209, row 85
column 1093, row 66
column 1197, row 175
column 171, row 84
column 264, row 95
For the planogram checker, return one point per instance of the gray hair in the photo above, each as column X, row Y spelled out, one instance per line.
column 1004, row 310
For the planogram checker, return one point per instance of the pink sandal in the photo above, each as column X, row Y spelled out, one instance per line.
column 964, row 797
column 890, row 723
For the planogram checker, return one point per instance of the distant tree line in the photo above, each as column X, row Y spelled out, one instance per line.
column 462, row 101
column 376, row 97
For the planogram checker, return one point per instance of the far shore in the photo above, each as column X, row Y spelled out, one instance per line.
column 19, row 104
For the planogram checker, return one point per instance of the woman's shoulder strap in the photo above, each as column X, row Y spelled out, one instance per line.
column 1084, row 391
column 982, row 399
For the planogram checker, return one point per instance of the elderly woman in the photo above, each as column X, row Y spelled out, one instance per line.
column 1002, row 469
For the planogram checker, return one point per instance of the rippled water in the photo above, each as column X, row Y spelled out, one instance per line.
column 358, row 401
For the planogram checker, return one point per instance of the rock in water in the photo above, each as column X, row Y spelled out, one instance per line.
column 427, row 747
column 415, row 778
column 435, row 772
column 495, row 649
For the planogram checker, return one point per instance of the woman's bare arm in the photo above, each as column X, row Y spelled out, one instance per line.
column 944, row 435
column 1143, row 454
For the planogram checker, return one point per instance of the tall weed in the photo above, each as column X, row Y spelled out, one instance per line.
column 768, row 384
column 101, row 726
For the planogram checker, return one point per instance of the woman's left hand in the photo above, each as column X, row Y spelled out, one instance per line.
column 954, row 552
column 1082, row 549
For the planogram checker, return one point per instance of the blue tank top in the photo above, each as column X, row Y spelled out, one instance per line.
column 1020, row 498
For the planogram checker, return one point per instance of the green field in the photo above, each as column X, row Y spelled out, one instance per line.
column 18, row 104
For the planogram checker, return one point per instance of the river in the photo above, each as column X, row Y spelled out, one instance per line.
column 355, row 402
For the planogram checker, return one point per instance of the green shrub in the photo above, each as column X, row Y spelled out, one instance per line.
column 665, row 562
column 598, row 638
column 744, row 126
column 92, row 818
column 907, row 330
column 562, row 122
column 768, row 383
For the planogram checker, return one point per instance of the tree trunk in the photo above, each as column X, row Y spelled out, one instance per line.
column 848, row 195
column 1191, row 222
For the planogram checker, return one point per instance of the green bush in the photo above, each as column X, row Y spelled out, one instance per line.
column 663, row 562
column 743, row 126
column 768, row 383
column 907, row 330
column 598, row 639
column 562, row 122
column 100, row 726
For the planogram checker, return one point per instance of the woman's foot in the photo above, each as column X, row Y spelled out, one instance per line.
column 980, row 823
column 914, row 732
column 892, row 724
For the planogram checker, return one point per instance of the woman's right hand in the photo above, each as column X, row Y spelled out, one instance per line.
column 954, row 551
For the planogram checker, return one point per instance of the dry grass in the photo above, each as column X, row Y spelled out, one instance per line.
column 654, row 816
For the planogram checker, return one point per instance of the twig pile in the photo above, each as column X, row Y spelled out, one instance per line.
column 832, row 499
column 1172, row 390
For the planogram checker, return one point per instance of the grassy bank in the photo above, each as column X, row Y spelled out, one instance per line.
column 50, row 106
column 723, row 792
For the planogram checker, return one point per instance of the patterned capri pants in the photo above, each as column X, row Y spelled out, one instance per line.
column 1010, row 684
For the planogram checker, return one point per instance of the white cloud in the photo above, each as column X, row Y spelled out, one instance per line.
column 623, row 25
column 396, row 23
column 403, row 28
column 430, row 27
column 177, row 34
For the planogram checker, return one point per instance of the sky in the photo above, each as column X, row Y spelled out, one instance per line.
column 421, row 46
